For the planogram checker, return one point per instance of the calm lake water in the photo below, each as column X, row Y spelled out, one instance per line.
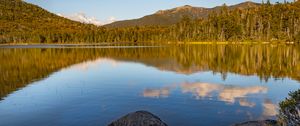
column 184, row 85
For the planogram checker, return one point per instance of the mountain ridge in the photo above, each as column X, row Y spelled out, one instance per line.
column 174, row 15
column 22, row 22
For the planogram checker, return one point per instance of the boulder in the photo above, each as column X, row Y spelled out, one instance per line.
column 139, row 118
column 290, row 116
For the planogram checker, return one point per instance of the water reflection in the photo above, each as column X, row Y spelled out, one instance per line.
column 85, row 66
column 229, row 94
column 225, row 93
column 19, row 67
column 200, row 90
column 99, row 90
column 244, row 102
column 270, row 109
column 157, row 93
column 244, row 96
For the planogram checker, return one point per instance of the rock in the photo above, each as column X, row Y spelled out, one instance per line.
column 139, row 118
column 259, row 123
column 290, row 116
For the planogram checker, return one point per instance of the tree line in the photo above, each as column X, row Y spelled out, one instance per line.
column 279, row 22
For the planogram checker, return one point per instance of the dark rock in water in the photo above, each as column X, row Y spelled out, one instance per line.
column 139, row 118
column 259, row 123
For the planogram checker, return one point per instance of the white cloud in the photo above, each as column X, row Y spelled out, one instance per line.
column 227, row 93
column 231, row 93
column 156, row 93
column 111, row 20
column 270, row 109
column 83, row 18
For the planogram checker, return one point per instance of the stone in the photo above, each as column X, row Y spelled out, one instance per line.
column 139, row 118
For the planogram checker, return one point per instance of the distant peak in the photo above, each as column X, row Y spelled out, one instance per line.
column 177, row 9
column 249, row 3
column 184, row 7
column 160, row 12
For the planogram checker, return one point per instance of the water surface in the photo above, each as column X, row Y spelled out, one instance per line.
column 183, row 85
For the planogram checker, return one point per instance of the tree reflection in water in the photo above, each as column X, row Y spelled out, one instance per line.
column 20, row 67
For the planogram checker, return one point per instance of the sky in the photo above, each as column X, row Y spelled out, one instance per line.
column 111, row 10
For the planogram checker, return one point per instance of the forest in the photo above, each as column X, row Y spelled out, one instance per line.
column 280, row 22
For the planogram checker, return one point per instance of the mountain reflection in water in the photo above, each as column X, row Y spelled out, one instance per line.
column 22, row 66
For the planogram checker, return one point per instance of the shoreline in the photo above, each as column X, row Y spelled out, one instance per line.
column 141, row 43
column 78, row 45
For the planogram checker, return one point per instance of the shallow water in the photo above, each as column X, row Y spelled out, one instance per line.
column 185, row 85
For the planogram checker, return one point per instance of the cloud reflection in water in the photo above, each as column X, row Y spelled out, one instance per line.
column 269, row 108
column 227, row 93
column 157, row 93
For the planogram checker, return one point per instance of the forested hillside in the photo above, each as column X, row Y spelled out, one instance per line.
column 23, row 22
column 280, row 22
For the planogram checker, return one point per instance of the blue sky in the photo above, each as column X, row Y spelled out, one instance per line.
column 123, row 9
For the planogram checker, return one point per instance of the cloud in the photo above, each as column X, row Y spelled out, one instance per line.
column 111, row 20
column 246, row 103
column 270, row 109
column 226, row 93
column 157, row 93
column 229, row 94
column 83, row 18
column 200, row 89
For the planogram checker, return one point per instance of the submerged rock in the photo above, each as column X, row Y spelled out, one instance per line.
column 259, row 123
column 139, row 118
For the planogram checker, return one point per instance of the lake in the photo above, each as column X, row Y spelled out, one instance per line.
column 185, row 85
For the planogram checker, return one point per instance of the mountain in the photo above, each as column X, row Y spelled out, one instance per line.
column 21, row 22
column 81, row 17
column 24, row 22
column 172, row 16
